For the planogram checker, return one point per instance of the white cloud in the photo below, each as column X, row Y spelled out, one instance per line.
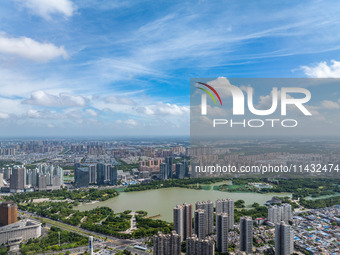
column 44, row 114
column 327, row 104
column 4, row 115
column 323, row 70
column 130, row 122
column 45, row 8
column 28, row 48
column 42, row 98
column 119, row 100
column 91, row 112
column 163, row 109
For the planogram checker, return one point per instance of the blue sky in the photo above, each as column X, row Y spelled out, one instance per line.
column 86, row 67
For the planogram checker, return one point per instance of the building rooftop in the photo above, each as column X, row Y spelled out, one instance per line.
column 19, row 224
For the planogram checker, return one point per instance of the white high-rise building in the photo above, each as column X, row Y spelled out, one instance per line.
column 280, row 213
column 208, row 207
column 286, row 212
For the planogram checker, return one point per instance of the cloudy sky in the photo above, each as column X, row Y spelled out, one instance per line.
column 106, row 67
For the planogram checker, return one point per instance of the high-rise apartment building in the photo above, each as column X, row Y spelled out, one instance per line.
column 180, row 171
column 226, row 206
column 246, row 234
column 113, row 175
column 197, row 246
column 222, row 232
column 169, row 161
column 163, row 171
column 167, row 244
column 286, row 212
column 81, row 175
column 101, row 173
column 183, row 220
column 280, row 213
column 92, row 174
column 283, row 239
column 208, row 207
column 201, row 223
column 18, row 179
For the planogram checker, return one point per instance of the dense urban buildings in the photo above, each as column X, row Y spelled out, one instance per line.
column 8, row 213
column 246, row 234
column 101, row 164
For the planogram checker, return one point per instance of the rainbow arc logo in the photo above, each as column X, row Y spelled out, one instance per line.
column 209, row 93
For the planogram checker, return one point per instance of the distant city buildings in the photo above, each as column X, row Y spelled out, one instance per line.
column 167, row 244
column 246, row 234
column 163, row 171
column 95, row 174
column 283, row 239
column 169, row 162
column 180, row 171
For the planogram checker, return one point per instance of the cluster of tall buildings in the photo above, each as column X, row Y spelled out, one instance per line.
column 201, row 241
column 100, row 174
column 278, row 213
column 201, row 234
column 169, row 170
column 43, row 177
